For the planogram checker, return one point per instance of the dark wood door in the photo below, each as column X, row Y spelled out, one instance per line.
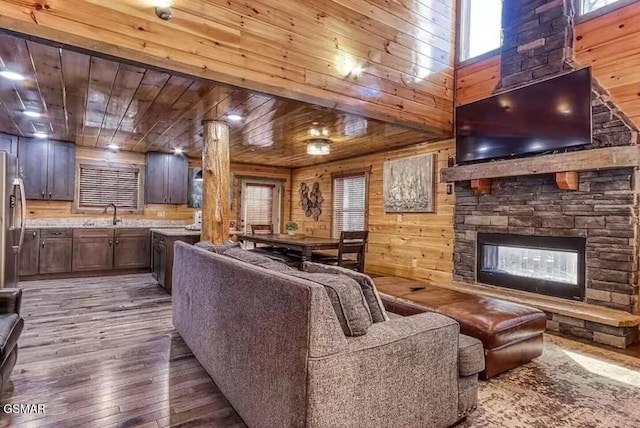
column 32, row 154
column 30, row 253
column 178, row 176
column 156, row 182
column 132, row 247
column 55, row 255
column 92, row 250
column 9, row 144
column 61, row 171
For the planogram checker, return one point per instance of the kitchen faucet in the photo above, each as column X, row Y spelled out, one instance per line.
column 115, row 212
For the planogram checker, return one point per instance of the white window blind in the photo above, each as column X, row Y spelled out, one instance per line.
column 258, row 204
column 100, row 186
column 349, row 200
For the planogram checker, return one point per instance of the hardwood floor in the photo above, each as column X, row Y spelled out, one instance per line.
column 102, row 352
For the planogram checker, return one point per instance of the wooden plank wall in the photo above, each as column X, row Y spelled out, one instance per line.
column 478, row 80
column 610, row 44
column 395, row 239
column 61, row 209
column 300, row 49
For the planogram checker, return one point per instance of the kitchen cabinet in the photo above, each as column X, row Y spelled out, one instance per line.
column 132, row 247
column 48, row 168
column 92, row 250
column 166, row 178
column 30, row 253
column 56, row 249
column 9, row 144
column 162, row 253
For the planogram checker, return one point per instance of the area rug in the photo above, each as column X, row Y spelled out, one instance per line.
column 571, row 385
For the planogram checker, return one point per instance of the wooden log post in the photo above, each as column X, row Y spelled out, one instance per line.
column 216, row 209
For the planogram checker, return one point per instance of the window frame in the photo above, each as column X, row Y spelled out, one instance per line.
column 139, row 168
column 278, row 205
column 604, row 10
column 462, row 37
column 366, row 172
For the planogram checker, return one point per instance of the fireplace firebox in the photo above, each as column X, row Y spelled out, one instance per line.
column 554, row 266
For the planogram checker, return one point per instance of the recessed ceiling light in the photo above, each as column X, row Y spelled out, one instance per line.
column 113, row 147
column 11, row 75
column 41, row 135
column 178, row 151
column 31, row 113
column 234, row 117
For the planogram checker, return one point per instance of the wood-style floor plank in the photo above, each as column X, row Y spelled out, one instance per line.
column 102, row 352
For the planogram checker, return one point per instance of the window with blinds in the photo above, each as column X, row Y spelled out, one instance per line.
column 349, row 203
column 103, row 185
column 258, row 204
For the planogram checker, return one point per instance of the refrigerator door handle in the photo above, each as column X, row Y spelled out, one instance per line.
column 23, row 220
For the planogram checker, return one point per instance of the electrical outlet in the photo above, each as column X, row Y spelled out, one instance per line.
column 414, row 263
column 161, row 213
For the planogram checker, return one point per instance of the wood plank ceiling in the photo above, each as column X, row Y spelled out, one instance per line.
column 298, row 49
column 96, row 102
column 610, row 44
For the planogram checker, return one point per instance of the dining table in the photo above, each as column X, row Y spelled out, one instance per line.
column 304, row 244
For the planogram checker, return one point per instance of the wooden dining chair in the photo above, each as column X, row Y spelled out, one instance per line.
column 261, row 229
column 351, row 242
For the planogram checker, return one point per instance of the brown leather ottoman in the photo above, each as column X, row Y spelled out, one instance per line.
column 511, row 334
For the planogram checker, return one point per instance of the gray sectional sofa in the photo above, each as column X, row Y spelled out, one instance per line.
column 273, row 344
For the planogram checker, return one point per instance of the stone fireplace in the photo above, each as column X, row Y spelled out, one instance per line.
column 602, row 213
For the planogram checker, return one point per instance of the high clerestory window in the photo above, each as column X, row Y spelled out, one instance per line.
column 587, row 6
column 480, row 27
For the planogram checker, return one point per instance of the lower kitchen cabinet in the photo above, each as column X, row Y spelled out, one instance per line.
column 30, row 253
column 162, row 254
column 92, row 250
column 56, row 249
column 132, row 248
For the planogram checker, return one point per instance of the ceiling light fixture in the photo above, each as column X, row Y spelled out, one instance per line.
column 40, row 135
column 318, row 147
column 234, row 117
column 11, row 75
column 31, row 113
column 113, row 147
column 163, row 9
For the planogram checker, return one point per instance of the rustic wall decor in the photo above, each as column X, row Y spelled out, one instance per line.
column 311, row 200
column 408, row 185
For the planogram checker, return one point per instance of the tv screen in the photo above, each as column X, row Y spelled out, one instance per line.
column 549, row 115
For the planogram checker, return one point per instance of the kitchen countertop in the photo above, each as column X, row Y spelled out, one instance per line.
column 101, row 223
column 176, row 232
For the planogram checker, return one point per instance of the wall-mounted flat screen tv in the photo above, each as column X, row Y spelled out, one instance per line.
column 550, row 115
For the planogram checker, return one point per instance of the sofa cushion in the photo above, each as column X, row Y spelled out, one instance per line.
column 347, row 300
column 257, row 259
column 218, row 249
column 369, row 290
column 470, row 356
column 10, row 329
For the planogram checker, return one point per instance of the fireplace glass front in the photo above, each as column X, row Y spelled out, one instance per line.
column 546, row 265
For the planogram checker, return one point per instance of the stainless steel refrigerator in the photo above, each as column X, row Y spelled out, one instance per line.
column 13, row 214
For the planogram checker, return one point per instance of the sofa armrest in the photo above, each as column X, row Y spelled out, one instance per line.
column 404, row 363
column 10, row 300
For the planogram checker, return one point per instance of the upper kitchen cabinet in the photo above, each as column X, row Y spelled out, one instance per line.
column 167, row 177
column 48, row 168
column 9, row 144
